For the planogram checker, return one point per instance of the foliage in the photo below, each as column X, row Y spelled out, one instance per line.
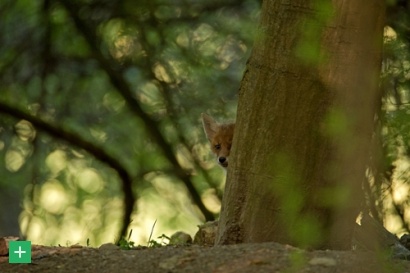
column 390, row 184
column 126, row 244
column 164, row 240
column 100, row 103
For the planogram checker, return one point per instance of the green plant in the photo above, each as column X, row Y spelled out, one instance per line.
column 164, row 241
column 126, row 243
column 154, row 243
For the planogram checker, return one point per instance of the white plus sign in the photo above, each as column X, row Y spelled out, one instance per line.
column 20, row 252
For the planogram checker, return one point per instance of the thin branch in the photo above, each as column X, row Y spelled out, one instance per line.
column 61, row 133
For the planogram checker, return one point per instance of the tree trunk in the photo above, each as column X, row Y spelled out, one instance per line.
column 304, row 124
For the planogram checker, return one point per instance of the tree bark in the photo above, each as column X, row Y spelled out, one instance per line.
column 305, row 119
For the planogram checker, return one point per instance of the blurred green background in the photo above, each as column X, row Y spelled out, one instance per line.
column 84, row 67
column 114, row 91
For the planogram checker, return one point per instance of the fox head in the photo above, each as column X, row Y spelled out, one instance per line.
column 220, row 136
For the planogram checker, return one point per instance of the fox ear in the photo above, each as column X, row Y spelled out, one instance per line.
column 210, row 126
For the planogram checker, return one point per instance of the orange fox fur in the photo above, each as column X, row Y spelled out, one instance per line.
column 220, row 136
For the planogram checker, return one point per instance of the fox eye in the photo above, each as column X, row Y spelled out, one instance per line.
column 218, row 146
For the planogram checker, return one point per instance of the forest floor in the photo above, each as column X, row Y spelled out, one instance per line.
column 263, row 257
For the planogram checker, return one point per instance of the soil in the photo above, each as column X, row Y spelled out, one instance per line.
column 263, row 257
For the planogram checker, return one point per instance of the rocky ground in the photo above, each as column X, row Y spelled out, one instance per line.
column 264, row 257
column 202, row 256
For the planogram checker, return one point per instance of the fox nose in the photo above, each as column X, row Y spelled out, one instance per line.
column 222, row 159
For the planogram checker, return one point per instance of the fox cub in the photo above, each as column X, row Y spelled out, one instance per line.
column 220, row 136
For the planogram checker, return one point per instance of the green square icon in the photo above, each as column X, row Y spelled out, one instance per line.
column 19, row 252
